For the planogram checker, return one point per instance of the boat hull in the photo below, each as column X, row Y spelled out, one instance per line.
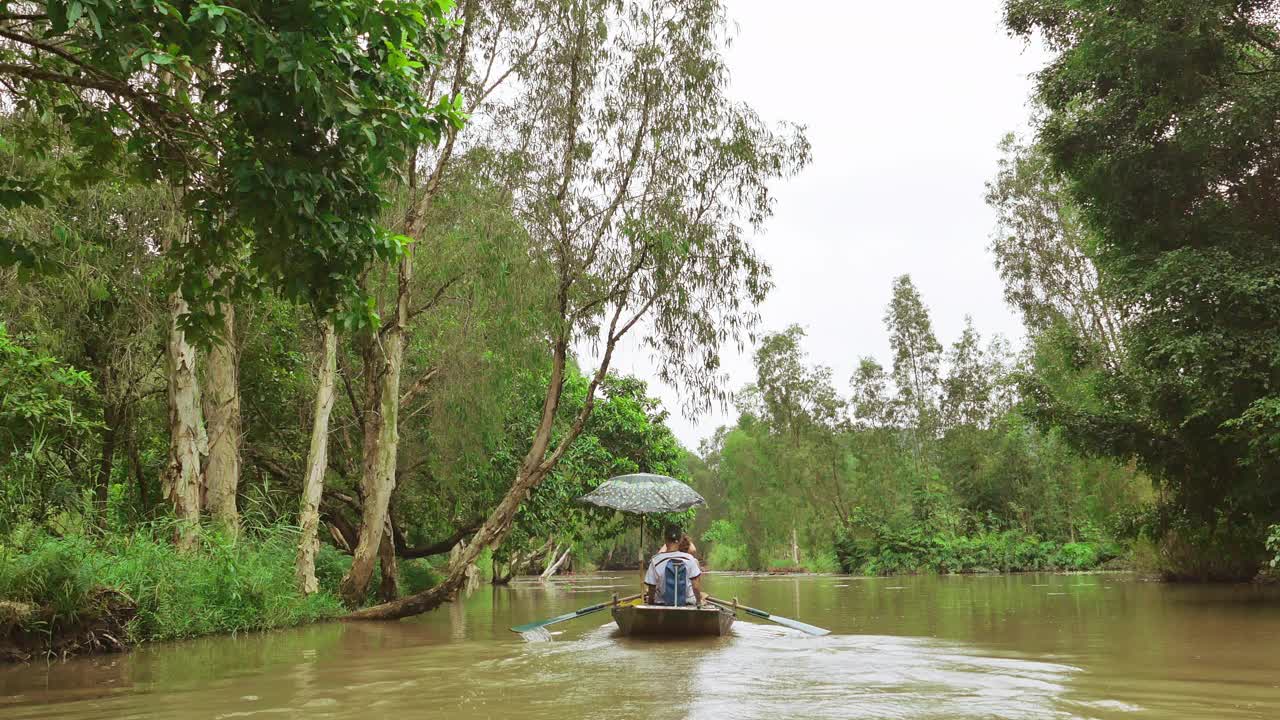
column 665, row 621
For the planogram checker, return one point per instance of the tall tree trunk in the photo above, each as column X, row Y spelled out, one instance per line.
column 188, row 443
column 389, row 586
column 222, row 415
column 795, row 548
column 317, row 461
column 384, row 355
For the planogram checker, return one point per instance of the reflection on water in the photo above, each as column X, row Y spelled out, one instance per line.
column 1093, row 646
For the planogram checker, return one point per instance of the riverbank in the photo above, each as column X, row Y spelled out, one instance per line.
column 1010, row 551
column 73, row 595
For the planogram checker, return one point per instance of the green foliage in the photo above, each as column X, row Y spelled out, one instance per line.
column 44, row 417
column 280, row 123
column 227, row 586
column 822, row 561
column 889, row 552
column 936, row 466
column 38, row 396
column 724, row 547
column 1159, row 122
column 51, row 574
column 416, row 576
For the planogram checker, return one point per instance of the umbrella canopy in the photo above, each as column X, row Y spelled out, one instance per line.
column 644, row 493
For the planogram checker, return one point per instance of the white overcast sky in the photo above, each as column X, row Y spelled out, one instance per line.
column 904, row 104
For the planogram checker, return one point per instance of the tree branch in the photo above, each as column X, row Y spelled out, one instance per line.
column 419, row 385
column 435, row 299
column 442, row 546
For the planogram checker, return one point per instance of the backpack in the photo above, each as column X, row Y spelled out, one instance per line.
column 675, row 583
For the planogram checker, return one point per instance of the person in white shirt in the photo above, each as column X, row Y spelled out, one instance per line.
column 656, row 574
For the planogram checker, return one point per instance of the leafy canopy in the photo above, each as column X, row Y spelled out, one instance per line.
column 1161, row 116
column 277, row 123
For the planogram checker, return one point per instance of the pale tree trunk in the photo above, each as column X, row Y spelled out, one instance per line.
column 317, row 461
column 187, row 441
column 795, row 548
column 389, row 586
column 384, row 357
column 553, row 567
column 222, row 416
column 472, row 573
column 536, row 466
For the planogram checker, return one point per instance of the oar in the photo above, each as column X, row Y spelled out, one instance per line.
column 569, row 616
column 788, row 622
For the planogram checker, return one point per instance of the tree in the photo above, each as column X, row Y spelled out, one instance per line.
column 1042, row 250
column 84, row 289
column 872, row 405
column 796, row 398
column 275, row 127
column 278, row 122
column 917, row 357
column 637, row 177
column 1161, row 117
column 497, row 32
column 968, row 387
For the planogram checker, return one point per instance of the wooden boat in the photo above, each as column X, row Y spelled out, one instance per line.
column 665, row 620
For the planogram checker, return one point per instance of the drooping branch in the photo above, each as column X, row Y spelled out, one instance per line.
column 440, row 547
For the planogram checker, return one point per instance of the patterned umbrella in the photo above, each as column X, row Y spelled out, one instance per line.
column 644, row 493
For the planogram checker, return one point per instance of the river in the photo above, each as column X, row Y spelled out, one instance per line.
column 1026, row 646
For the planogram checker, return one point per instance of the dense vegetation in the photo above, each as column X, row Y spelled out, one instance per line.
column 326, row 297
column 1158, row 130
column 260, row 289
column 930, row 465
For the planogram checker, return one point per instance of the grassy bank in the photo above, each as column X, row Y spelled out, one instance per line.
column 1007, row 551
column 80, row 593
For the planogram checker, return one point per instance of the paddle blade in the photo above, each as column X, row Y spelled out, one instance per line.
column 536, row 635
column 535, row 626
column 797, row 625
column 783, row 621
column 531, row 627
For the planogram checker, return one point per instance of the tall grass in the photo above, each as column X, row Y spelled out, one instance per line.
column 227, row 585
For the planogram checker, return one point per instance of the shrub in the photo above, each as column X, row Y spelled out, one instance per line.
column 227, row 585
column 824, row 561
column 416, row 576
column 888, row 552
column 724, row 556
column 54, row 574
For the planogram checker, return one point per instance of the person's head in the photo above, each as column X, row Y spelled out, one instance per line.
column 672, row 535
column 685, row 545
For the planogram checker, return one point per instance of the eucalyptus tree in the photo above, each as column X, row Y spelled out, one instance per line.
column 872, row 403
column 275, row 125
column 968, row 386
column 1042, row 249
column 495, row 40
column 638, row 181
column 795, row 396
column 1161, row 116
column 804, row 415
column 917, row 359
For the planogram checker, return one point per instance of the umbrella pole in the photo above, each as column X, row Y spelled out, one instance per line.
column 641, row 542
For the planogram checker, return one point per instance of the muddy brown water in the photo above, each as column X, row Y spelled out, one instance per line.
column 1027, row 646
